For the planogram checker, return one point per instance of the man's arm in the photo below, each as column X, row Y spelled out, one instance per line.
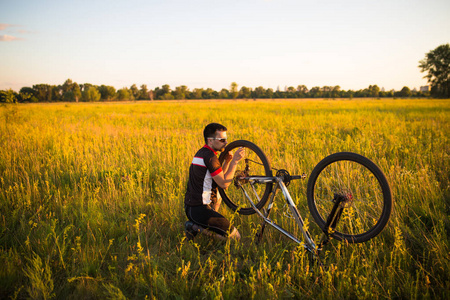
column 225, row 178
column 227, row 162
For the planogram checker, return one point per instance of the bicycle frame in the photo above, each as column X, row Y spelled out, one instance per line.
column 309, row 244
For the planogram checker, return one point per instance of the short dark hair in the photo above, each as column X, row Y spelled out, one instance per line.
column 210, row 130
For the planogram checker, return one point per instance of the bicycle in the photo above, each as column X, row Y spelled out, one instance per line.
column 347, row 194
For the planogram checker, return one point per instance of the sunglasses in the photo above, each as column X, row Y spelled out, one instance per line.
column 218, row 139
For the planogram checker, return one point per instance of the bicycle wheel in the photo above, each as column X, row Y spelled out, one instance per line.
column 255, row 163
column 362, row 183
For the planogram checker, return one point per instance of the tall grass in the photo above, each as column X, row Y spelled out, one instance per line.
column 91, row 201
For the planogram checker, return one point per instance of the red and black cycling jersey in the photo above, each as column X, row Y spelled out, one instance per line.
column 201, row 188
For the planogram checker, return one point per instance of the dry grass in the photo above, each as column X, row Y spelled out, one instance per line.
column 91, row 200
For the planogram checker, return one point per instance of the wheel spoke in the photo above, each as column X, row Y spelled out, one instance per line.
column 255, row 163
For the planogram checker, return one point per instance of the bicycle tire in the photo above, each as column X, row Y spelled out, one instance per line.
column 355, row 175
column 233, row 196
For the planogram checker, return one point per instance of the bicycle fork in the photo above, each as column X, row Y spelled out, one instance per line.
column 333, row 218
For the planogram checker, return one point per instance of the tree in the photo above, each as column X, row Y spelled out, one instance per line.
column 208, row 94
column 349, row 94
column 124, row 94
column 437, row 64
column 166, row 88
column 164, row 93
column 373, row 91
column 326, row 91
column 85, row 87
column 167, row 96
column 405, row 92
column 74, row 94
column 245, row 92
column 151, row 95
column 335, row 93
column 8, row 96
column 135, row 91
column 291, row 92
column 43, row 92
column 76, row 91
column 302, row 90
column 224, row 94
column 315, row 92
column 107, row 92
column 278, row 94
column 180, row 92
column 234, row 90
column 67, row 86
column 91, row 94
column 144, row 93
column 197, row 93
column 71, row 91
column 27, row 94
column 259, row 92
column 57, row 93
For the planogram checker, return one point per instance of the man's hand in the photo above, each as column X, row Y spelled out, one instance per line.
column 239, row 154
column 225, row 178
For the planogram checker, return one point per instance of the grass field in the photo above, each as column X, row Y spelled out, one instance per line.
column 91, row 201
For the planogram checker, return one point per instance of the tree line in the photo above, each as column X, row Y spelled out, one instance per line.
column 73, row 92
column 436, row 64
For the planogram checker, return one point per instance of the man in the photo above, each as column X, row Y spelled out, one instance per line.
column 202, row 201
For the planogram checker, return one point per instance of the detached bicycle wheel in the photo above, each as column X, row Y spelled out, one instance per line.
column 255, row 163
column 368, row 197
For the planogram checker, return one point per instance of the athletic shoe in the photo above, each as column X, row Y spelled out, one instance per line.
column 189, row 231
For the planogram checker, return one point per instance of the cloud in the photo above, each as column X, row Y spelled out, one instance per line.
column 9, row 38
column 3, row 26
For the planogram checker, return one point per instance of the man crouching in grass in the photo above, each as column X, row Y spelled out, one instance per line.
column 201, row 203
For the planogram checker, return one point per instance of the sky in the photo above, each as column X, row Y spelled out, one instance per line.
column 211, row 43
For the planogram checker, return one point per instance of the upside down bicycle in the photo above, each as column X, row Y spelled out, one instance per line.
column 348, row 195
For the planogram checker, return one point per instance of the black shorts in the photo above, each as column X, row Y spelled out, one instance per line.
column 206, row 217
